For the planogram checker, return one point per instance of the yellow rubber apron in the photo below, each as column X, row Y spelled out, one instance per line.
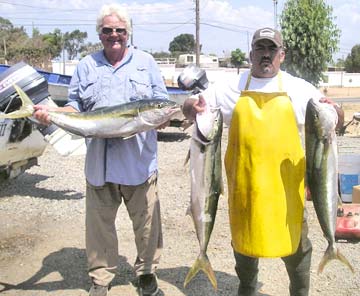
column 265, row 167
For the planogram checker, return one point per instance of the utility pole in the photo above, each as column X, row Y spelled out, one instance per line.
column 5, row 53
column 275, row 14
column 63, row 53
column 197, row 41
column 248, row 42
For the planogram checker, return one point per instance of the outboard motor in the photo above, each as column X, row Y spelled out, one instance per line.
column 21, row 133
column 32, row 82
column 193, row 78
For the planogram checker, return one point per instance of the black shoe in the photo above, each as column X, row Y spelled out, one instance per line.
column 97, row 290
column 148, row 285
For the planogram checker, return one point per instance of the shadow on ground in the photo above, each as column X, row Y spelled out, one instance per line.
column 70, row 263
column 26, row 185
column 172, row 136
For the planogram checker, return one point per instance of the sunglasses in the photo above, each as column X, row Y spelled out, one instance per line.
column 108, row 31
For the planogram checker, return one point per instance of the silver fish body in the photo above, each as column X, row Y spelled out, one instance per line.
column 206, row 187
column 123, row 120
column 322, row 172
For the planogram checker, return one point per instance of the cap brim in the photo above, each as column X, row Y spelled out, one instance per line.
column 278, row 44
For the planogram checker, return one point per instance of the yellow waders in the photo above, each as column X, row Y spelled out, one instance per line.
column 265, row 167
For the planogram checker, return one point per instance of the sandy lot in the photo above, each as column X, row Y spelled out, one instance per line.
column 42, row 234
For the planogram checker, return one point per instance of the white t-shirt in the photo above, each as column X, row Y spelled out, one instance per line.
column 226, row 93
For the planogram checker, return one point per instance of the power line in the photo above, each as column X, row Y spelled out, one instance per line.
column 136, row 10
column 44, row 8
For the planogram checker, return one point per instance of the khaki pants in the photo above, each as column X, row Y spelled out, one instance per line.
column 143, row 206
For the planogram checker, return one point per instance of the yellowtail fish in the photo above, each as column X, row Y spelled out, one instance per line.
column 322, row 173
column 206, row 185
column 123, row 120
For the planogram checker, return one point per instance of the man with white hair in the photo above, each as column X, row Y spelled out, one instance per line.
column 118, row 170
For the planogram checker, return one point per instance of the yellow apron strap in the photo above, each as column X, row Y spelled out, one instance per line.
column 248, row 81
column 265, row 167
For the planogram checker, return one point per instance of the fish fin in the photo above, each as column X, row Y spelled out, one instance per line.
column 129, row 137
column 330, row 254
column 187, row 158
column 201, row 263
column 26, row 109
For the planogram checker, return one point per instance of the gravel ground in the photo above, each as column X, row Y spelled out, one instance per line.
column 42, row 234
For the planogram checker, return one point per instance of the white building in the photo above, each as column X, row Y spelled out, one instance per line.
column 341, row 79
column 206, row 61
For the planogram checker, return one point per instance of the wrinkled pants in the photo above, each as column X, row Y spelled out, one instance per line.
column 297, row 266
column 143, row 206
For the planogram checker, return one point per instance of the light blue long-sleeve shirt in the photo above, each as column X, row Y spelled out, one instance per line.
column 96, row 83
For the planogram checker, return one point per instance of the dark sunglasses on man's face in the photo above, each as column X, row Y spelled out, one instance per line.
column 108, row 31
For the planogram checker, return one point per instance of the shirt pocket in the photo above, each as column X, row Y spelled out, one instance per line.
column 140, row 85
column 89, row 91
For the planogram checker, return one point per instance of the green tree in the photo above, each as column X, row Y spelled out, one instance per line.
column 90, row 48
column 54, row 40
column 38, row 51
column 33, row 51
column 237, row 58
column 340, row 63
column 352, row 62
column 161, row 54
column 74, row 43
column 183, row 43
column 10, row 37
column 310, row 38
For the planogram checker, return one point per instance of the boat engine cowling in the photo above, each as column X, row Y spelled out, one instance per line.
column 35, row 86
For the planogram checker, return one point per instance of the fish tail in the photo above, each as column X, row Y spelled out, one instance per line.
column 343, row 259
column 26, row 109
column 333, row 253
column 201, row 263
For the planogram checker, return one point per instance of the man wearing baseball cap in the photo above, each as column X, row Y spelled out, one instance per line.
column 269, row 34
column 265, row 162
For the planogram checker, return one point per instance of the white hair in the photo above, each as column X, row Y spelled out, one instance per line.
column 116, row 9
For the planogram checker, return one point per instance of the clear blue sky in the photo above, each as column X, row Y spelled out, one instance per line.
column 225, row 24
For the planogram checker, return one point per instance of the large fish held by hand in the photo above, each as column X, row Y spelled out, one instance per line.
column 206, row 184
column 123, row 120
column 322, row 173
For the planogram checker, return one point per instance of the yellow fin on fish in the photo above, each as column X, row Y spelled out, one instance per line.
column 26, row 109
column 201, row 263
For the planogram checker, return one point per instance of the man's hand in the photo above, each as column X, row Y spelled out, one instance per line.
column 41, row 114
column 193, row 106
column 339, row 111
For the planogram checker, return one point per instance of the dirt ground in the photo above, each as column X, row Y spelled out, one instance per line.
column 42, row 250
